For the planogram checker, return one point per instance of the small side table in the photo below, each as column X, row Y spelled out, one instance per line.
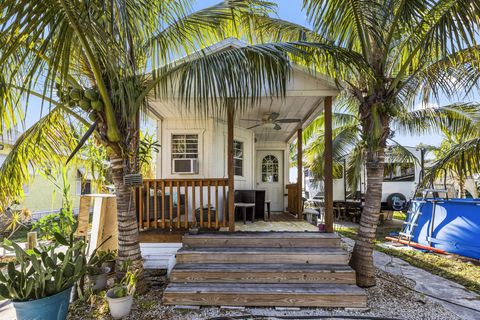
column 244, row 207
column 267, row 202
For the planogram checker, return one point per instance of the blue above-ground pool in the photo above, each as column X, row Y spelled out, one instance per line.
column 456, row 225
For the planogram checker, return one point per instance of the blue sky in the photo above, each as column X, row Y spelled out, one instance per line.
column 290, row 10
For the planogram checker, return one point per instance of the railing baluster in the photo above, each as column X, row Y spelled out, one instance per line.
column 186, row 204
column 179, row 202
column 140, row 208
column 209, row 204
column 216, row 203
column 224, row 211
column 171, row 203
column 163, row 203
column 155, row 205
column 147, row 187
column 201, row 203
column 194, row 219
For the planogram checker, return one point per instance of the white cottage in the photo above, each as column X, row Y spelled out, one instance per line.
column 193, row 158
column 202, row 162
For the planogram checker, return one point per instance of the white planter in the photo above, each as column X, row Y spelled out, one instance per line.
column 120, row 307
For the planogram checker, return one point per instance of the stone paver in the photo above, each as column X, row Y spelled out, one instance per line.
column 431, row 284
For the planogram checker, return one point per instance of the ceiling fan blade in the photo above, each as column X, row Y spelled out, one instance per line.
column 288, row 120
column 250, row 119
column 273, row 115
column 255, row 126
column 277, row 127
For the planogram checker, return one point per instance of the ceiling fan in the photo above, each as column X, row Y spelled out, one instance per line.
column 270, row 120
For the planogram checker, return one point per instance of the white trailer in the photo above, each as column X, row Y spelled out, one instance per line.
column 399, row 185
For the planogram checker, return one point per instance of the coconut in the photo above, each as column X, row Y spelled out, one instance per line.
column 91, row 94
column 84, row 104
column 97, row 105
column 76, row 94
column 92, row 116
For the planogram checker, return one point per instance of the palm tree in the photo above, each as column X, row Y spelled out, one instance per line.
column 348, row 144
column 99, row 63
column 403, row 51
column 457, row 154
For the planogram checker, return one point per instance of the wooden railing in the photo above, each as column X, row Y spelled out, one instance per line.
column 182, row 203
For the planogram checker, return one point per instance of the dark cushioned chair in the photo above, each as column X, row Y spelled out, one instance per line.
column 159, row 206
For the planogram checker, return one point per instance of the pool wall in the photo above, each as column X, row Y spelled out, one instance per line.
column 456, row 225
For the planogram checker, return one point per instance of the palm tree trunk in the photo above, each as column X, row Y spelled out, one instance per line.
column 128, row 242
column 362, row 256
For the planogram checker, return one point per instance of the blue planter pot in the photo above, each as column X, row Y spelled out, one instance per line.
column 50, row 308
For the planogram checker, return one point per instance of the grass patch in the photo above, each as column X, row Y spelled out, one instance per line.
column 461, row 272
column 399, row 215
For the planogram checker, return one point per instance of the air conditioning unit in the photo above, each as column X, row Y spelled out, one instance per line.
column 187, row 166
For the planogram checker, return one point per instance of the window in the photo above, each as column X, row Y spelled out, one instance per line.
column 185, row 146
column 238, row 158
column 399, row 172
column 270, row 169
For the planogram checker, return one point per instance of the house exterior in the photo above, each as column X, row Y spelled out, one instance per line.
column 41, row 195
column 194, row 150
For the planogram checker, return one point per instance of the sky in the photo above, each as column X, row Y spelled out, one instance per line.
column 290, row 10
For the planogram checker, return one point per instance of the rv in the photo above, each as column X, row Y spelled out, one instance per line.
column 399, row 183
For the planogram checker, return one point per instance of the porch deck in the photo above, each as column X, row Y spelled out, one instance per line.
column 279, row 221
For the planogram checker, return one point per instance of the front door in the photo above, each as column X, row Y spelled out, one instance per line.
column 269, row 172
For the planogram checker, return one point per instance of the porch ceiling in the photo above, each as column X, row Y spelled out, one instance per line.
column 303, row 108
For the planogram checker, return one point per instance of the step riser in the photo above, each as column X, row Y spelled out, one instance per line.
column 261, row 258
column 255, row 243
column 263, row 277
column 263, row 300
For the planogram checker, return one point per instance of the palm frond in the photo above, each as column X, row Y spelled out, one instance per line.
column 46, row 144
column 463, row 118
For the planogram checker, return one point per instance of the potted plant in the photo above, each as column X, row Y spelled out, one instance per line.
column 40, row 281
column 97, row 272
column 120, row 297
column 108, row 257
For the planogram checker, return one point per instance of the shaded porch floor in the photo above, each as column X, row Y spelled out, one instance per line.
column 279, row 221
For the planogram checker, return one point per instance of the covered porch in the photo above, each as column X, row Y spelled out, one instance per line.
column 209, row 165
column 177, row 203
column 254, row 161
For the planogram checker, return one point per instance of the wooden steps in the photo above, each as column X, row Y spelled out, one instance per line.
column 284, row 269
column 271, row 295
column 263, row 239
column 263, row 273
column 262, row 255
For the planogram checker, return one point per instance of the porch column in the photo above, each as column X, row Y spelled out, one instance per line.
column 299, row 172
column 328, row 167
column 231, row 175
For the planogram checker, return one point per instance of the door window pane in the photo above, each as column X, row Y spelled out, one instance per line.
column 270, row 169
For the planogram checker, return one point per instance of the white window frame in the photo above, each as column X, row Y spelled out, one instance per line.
column 242, row 158
column 193, row 155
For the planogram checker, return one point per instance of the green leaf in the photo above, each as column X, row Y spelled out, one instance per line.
column 61, row 239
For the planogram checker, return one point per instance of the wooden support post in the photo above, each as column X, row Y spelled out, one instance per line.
column 299, row 173
column 328, row 167
column 231, row 175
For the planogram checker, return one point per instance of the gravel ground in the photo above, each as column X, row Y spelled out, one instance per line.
column 388, row 299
